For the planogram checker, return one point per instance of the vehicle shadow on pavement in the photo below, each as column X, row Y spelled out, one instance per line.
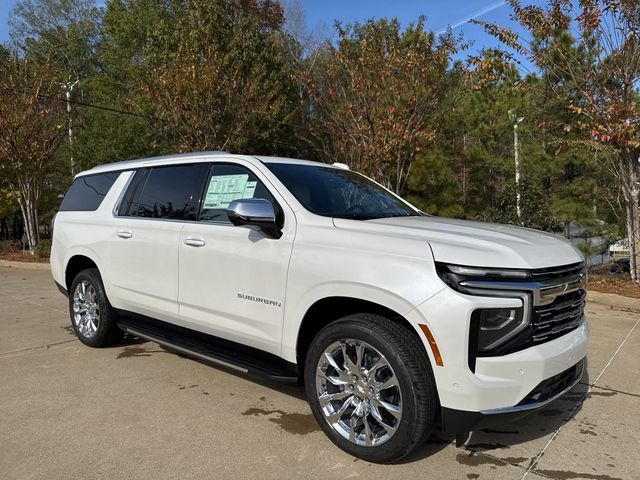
column 137, row 347
column 128, row 340
column 291, row 389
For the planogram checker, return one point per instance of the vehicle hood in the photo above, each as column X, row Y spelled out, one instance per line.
column 465, row 242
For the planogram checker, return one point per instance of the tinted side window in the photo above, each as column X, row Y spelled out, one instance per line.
column 227, row 182
column 167, row 192
column 87, row 192
column 132, row 195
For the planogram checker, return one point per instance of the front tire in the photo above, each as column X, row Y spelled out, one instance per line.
column 92, row 317
column 371, row 388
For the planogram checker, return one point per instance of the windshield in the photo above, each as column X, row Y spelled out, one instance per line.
column 333, row 192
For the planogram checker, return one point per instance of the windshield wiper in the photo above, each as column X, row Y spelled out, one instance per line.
column 356, row 216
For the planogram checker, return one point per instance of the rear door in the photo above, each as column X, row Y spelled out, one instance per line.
column 232, row 279
column 146, row 235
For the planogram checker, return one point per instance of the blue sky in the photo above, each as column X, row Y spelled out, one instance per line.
column 5, row 7
column 439, row 14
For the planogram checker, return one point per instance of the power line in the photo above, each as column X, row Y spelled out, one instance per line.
column 89, row 105
column 261, row 115
column 139, row 115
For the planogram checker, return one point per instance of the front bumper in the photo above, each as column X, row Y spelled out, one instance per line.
column 461, row 421
column 500, row 383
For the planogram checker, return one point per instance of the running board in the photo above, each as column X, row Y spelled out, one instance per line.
column 210, row 349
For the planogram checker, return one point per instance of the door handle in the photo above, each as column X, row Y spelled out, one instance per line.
column 194, row 242
column 125, row 234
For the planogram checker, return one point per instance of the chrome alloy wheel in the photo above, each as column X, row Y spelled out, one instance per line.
column 86, row 310
column 359, row 392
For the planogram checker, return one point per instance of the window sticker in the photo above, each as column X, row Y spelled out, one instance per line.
column 224, row 189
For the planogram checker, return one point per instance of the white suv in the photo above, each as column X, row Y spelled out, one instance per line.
column 301, row 271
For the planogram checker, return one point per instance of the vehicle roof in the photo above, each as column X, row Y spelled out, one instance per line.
column 189, row 158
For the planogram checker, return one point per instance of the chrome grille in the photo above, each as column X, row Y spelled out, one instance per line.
column 544, row 284
column 546, row 274
column 561, row 316
column 555, row 282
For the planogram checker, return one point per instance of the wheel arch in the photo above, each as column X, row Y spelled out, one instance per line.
column 75, row 265
column 329, row 309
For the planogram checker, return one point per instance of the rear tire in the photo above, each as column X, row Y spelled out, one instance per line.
column 371, row 388
column 92, row 317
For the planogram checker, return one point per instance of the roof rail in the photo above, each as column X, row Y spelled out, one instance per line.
column 343, row 166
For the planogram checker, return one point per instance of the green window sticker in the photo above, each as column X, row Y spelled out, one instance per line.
column 224, row 189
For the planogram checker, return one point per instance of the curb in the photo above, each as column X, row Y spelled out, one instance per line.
column 614, row 300
column 25, row 265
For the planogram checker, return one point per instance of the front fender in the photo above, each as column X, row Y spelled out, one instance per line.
column 295, row 314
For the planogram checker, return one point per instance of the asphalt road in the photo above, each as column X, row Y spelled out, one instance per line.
column 136, row 411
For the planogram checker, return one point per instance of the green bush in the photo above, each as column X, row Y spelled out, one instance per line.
column 8, row 246
column 42, row 249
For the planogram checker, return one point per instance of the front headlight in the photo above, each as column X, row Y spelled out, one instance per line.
column 496, row 325
column 492, row 330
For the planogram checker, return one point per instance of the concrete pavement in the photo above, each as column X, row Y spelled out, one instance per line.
column 136, row 411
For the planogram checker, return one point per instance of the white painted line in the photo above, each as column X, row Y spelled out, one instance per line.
column 534, row 462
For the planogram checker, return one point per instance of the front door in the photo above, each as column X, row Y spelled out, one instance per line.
column 232, row 280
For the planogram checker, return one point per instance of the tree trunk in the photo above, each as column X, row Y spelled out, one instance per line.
column 464, row 169
column 630, row 194
column 28, row 201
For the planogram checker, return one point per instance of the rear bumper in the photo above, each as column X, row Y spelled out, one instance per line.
column 461, row 421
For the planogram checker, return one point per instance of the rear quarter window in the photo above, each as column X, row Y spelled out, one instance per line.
column 87, row 192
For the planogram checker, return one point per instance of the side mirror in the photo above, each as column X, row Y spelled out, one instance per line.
column 256, row 214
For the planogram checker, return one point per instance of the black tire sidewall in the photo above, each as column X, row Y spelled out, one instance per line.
column 107, row 327
column 401, row 443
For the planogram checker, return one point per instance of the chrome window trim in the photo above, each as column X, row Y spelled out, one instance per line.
column 196, row 222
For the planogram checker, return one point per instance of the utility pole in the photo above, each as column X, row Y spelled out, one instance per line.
column 68, row 88
column 516, row 154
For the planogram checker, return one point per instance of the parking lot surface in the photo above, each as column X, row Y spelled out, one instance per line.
column 137, row 411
